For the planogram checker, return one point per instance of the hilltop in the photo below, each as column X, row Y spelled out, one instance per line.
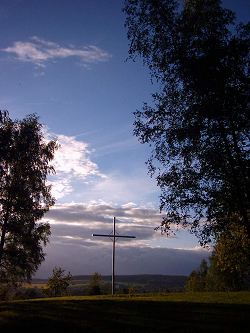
column 172, row 312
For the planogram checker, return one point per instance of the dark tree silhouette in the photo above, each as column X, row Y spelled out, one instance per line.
column 198, row 125
column 94, row 287
column 58, row 282
column 24, row 196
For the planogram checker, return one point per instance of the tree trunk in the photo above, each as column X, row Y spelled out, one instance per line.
column 4, row 230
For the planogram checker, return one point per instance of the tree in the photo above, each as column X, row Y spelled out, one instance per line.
column 94, row 287
column 198, row 123
column 229, row 267
column 58, row 282
column 197, row 279
column 218, row 280
column 231, row 255
column 24, row 196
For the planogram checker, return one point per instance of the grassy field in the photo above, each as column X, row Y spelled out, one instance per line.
column 173, row 312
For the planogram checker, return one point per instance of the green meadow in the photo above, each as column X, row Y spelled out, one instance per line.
column 173, row 312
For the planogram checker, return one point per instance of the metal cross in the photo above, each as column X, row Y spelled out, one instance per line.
column 113, row 238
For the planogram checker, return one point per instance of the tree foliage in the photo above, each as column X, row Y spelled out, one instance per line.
column 197, row 279
column 58, row 282
column 24, row 196
column 232, row 254
column 94, row 287
column 229, row 267
column 220, row 280
column 198, row 123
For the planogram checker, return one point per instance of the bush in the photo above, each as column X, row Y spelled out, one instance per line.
column 94, row 287
column 58, row 283
column 28, row 293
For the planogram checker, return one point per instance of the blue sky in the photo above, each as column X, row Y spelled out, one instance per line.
column 66, row 61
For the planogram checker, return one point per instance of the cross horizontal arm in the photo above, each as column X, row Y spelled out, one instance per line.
column 116, row 236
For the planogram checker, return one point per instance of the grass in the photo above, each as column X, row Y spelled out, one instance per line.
column 174, row 312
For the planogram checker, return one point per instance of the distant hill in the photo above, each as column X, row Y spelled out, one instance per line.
column 149, row 282
column 141, row 283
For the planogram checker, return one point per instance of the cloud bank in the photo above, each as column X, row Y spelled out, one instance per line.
column 87, row 260
column 40, row 51
column 73, row 247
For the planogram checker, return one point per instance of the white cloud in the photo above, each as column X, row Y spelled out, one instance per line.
column 72, row 163
column 61, row 186
column 39, row 51
column 73, row 157
column 197, row 248
column 121, row 188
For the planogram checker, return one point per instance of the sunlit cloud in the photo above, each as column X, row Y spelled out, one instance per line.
column 76, row 222
column 73, row 157
column 61, row 186
column 39, row 52
column 128, row 215
column 196, row 248
column 72, row 163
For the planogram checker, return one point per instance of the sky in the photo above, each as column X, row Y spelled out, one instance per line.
column 66, row 61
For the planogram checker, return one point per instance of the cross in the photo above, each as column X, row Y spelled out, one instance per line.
column 113, row 238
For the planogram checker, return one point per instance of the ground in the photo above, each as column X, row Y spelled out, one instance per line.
column 173, row 312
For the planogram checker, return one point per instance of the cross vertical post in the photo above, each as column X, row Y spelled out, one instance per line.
column 113, row 237
column 113, row 260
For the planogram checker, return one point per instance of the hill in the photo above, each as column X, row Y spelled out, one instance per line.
column 174, row 312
